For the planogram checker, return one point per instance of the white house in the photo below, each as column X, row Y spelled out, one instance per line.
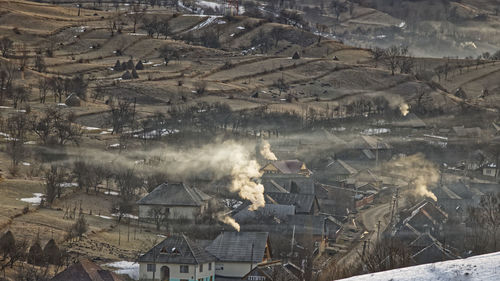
column 176, row 200
column 177, row 258
column 238, row 253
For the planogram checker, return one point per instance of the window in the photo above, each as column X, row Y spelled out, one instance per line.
column 151, row 267
column 209, row 266
column 201, row 267
column 184, row 269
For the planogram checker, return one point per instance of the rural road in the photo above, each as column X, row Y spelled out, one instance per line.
column 369, row 218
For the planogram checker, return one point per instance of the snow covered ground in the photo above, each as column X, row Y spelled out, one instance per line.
column 477, row 268
column 125, row 267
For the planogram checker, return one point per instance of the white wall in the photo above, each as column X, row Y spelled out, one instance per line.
column 175, row 274
column 233, row 269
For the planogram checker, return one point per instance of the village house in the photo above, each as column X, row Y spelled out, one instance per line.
column 177, row 258
column 86, row 270
column 367, row 148
column 288, row 183
column 338, row 170
column 176, row 200
column 295, row 166
column 237, row 253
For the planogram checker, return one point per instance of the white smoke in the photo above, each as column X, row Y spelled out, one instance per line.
column 265, row 151
column 420, row 173
column 404, row 108
column 230, row 221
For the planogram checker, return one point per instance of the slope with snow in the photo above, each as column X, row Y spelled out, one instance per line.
column 477, row 268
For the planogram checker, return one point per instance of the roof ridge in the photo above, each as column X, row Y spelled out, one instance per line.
column 189, row 246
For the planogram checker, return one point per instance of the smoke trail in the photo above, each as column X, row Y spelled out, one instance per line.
column 265, row 151
column 419, row 172
column 229, row 220
column 214, row 161
column 404, row 108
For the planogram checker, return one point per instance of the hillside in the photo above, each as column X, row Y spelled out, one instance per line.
column 477, row 268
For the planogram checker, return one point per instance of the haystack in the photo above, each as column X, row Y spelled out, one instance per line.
column 118, row 66
column 296, row 56
column 124, row 66
column 7, row 243
column 72, row 100
column 130, row 64
column 35, row 254
column 52, row 253
column 126, row 75
column 134, row 74
column 139, row 65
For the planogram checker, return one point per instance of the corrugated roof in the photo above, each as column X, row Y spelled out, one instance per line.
column 177, row 249
column 174, row 194
column 237, row 246
column 303, row 202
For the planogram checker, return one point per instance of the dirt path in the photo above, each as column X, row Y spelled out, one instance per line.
column 369, row 218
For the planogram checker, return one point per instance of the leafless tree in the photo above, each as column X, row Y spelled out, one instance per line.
column 391, row 56
column 7, row 71
column 17, row 127
column 388, row 254
column 6, row 45
column 136, row 14
column 54, row 177
column 20, row 95
column 122, row 114
column 43, row 88
column 487, row 217
column 159, row 215
column 23, row 56
column 16, row 252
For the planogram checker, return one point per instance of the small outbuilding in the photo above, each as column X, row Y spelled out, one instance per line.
column 72, row 100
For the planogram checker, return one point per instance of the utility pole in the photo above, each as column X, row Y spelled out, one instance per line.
column 293, row 240
column 251, row 259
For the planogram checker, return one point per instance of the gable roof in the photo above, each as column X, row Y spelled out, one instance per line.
column 274, row 271
column 303, row 202
column 289, row 166
column 174, row 194
column 237, row 246
column 288, row 183
column 86, row 270
column 177, row 249
column 339, row 167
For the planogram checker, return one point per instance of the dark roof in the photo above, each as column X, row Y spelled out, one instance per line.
column 174, row 194
column 303, row 202
column 274, row 210
column 274, row 271
column 86, row 270
column 433, row 253
column 288, row 183
column 177, row 249
column 237, row 246
column 339, row 167
column 423, row 240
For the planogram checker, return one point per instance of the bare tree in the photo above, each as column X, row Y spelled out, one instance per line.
column 54, row 177
column 6, row 45
column 17, row 128
column 159, row 215
column 388, row 254
column 136, row 14
column 43, row 88
column 20, row 94
column 122, row 114
column 391, row 56
column 487, row 217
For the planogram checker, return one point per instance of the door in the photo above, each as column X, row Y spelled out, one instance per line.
column 165, row 273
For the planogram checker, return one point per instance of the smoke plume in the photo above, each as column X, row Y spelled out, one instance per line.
column 404, row 108
column 418, row 171
column 230, row 221
column 265, row 151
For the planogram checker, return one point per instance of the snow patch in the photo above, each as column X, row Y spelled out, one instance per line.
column 35, row 200
column 125, row 267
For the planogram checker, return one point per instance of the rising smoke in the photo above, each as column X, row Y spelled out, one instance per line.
column 216, row 161
column 418, row 171
column 265, row 151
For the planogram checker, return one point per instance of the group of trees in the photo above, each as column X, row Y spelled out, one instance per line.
column 395, row 57
column 484, row 220
column 156, row 26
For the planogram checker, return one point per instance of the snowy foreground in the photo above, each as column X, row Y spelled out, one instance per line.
column 484, row 267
